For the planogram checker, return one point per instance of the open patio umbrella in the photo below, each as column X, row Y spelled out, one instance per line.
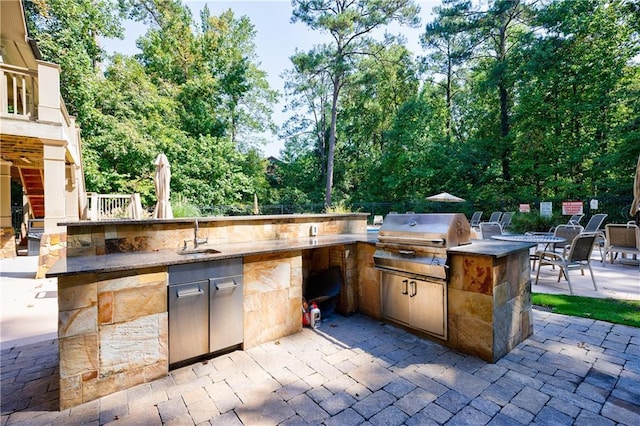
column 635, row 205
column 445, row 197
column 161, row 181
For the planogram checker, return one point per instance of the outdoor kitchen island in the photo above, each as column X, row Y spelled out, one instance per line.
column 113, row 281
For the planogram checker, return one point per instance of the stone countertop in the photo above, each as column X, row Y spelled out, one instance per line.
column 269, row 218
column 492, row 248
column 137, row 260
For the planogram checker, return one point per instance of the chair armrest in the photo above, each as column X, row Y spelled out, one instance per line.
column 550, row 255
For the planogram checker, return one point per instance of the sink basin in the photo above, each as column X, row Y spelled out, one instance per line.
column 199, row 251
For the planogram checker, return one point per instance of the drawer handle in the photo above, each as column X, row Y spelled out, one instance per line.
column 189, row 293
column 233, row 284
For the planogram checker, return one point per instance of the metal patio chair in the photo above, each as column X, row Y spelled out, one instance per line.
column 569, row 232
column 575, row 256
column 490, row 228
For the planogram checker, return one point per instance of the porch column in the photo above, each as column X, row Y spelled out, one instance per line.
column 49, row 92
column 54, row 188
column 71, row 193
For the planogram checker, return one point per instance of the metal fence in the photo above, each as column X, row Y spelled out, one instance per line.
column 617, row 209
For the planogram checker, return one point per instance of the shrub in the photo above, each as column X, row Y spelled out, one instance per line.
column 532, row 222
column 183, row 208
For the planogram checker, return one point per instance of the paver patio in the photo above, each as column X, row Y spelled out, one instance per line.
column 356, row 370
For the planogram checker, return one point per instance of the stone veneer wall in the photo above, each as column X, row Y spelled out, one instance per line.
column 52, row 248
column 122, row 238
column 369, row 282
column 7, row 243
column 344, row 256
column 272, row 297
column 489, row 304
column 113, row 332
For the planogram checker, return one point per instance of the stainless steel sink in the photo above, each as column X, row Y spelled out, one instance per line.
column 203, row 251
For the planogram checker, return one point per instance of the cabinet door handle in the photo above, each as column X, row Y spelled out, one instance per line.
column 226, row 286
column 413, row 289
column 404, row 286
column 189, row 293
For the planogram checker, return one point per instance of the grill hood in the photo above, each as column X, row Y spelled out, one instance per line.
column 442, row 230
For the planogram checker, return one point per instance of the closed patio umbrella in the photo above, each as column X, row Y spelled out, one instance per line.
column 161, row 181
column 635, row 206
column 445, row 197
column 256, row 209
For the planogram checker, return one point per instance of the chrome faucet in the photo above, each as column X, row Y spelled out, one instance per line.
column 196, row 240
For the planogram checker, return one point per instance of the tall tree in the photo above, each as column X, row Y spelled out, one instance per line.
column 449, row 46
column 381, row 83
column 576, row 98
column 229, row 56
column 68, row 33
column 350, row 24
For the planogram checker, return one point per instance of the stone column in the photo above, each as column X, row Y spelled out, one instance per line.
column 7, row 236
column 5, row 193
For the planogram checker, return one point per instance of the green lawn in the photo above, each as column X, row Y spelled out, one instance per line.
column 612, row 310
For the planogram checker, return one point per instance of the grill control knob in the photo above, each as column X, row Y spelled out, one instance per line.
column 412, row 223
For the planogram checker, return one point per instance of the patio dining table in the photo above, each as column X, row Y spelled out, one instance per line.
column 540, row 238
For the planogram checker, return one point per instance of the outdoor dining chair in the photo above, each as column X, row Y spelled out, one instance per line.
column 568, row 232
column 490, row 228
column 475, row 218
column 575, row 256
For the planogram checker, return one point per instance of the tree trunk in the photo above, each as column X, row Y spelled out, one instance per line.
column 449, row 94
column 332, row 141
column 504, row 106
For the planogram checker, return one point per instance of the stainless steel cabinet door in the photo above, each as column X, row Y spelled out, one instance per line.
column 395, row 297
column 226, row 327
column 428, row 307
column 188, row 320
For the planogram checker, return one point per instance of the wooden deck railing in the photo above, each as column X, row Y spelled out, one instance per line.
column 113, row 206
column 17, row 86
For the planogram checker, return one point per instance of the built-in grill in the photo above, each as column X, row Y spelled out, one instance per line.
column 412, row 253
column 417, row 243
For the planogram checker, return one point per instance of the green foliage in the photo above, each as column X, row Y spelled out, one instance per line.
column 339, row 207
column 533, row 222
column 350, row 25
column 517, row 102
column 197, row 96
column 183, row 208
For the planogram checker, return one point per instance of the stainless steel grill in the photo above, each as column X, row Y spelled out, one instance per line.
column 412, row 254
column 417, row 244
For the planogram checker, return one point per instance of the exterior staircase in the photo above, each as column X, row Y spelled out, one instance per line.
column 33, row 185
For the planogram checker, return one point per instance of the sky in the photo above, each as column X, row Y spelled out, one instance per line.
column 276, row 40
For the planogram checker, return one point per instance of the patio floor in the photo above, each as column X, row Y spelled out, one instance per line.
column 353, row 370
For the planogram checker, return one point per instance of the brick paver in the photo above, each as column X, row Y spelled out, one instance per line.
column 354, row 371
